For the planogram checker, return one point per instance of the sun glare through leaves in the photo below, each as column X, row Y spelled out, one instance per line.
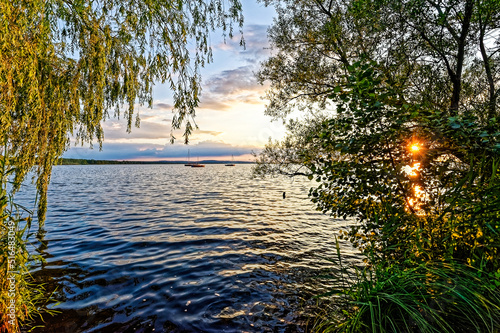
column 418, row 196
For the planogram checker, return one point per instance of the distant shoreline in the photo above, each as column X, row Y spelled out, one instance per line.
column 75, row 161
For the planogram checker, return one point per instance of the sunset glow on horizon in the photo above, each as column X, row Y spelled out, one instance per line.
column 230, row 117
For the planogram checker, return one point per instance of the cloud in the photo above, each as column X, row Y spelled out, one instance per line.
column 163, row 106
column 116, row 131
column 230, row 87
column 209, row 101
column 126, row 151
column 149, row 130
column 256, row 43
column 147, row 118
column 214, row 133
column 233, row 81
column 213, row 148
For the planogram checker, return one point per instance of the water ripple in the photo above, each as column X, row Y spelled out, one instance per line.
column 166, row 248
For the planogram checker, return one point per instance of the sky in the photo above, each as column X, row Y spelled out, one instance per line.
column 230, row 117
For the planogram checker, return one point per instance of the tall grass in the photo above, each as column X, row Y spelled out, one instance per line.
column 444, row 297
column 21, row 299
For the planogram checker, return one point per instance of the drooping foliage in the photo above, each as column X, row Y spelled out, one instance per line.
column 65, row 65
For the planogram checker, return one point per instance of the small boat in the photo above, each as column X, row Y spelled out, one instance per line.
column 230, row 164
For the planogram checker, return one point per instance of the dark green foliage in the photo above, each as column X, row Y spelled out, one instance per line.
column 363, row 173
column 408, row 146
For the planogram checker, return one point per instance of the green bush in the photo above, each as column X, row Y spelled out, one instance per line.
column 447, row 236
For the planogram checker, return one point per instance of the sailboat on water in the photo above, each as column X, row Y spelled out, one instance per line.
column 231, row 164
column 188, row 163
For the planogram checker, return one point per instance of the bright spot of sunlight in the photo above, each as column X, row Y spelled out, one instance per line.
column 413, row 170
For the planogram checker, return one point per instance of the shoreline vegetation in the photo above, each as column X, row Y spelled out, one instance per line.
column 404, row 137
column 75, row 161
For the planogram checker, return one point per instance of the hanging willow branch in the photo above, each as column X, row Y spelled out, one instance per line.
column 64, row 64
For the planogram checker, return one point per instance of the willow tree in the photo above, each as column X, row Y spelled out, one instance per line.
column 65, row 65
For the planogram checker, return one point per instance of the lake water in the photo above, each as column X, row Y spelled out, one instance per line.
column 168, row 248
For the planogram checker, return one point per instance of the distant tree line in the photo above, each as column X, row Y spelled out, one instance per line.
column 78, row 161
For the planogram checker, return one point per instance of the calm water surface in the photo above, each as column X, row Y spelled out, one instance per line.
column 168, row 248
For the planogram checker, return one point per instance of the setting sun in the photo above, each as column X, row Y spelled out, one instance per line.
column 414, row 147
